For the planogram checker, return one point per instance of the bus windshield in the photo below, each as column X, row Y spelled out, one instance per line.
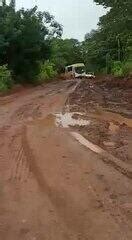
column 80, row 70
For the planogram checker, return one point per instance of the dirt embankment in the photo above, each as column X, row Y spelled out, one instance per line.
column 107, row 102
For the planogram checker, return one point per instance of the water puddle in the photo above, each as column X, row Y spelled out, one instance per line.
column 109, row 144
column 67, row 119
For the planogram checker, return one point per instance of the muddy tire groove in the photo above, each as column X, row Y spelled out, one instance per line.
column 20, row 167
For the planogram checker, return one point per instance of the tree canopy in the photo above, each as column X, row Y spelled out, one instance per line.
column 25, row 37
column 65, row 52
column 112, row 41
column 31, row 39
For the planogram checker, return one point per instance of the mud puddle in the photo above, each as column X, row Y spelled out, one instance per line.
column 114, row 119
column 100, row 131
column 64, row 120
column 110, row 131
column 67, row 119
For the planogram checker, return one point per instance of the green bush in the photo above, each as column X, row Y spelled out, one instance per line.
column 5, row 78
column 47, row 72
column 121, row 69
column 127, row 67
column 117, row 69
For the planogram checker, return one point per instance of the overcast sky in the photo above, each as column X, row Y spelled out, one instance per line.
column 77, row 16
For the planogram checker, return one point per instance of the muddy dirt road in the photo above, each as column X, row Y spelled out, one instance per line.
column 51, row 186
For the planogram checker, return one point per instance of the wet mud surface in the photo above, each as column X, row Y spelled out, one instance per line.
column 51, row 186
column 109, row 109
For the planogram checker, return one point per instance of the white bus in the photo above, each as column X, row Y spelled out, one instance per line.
column 78, row 70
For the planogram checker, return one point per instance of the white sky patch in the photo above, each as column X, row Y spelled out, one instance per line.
column 78, row 17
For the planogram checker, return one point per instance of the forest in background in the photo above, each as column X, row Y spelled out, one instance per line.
column 32, row 49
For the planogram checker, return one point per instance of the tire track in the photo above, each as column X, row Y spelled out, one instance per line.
column 20, row 170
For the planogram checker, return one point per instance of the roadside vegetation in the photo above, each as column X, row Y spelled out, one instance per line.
column 25, row 43
column 109, row 48
column 32, row 50
column 6, row 81
column 47, row 72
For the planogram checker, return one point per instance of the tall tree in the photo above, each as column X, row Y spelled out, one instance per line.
column 113, row 39
column 13, row 3
column 3, row 2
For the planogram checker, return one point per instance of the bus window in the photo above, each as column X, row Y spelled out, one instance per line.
column 69, row 69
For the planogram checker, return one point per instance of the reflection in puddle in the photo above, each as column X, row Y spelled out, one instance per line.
column 109, row 144
column 65, row 120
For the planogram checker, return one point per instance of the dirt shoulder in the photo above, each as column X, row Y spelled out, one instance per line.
column 107, row 103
